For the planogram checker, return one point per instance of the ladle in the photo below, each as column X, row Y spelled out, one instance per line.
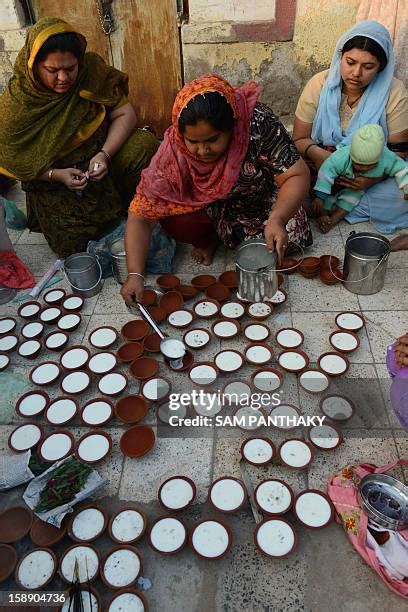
column 172, row 348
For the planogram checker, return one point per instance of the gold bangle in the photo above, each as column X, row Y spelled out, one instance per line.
column 50, row 175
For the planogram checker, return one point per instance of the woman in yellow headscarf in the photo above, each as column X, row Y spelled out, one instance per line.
column 67, row 132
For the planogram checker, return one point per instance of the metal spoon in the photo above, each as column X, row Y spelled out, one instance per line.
column 172, row 348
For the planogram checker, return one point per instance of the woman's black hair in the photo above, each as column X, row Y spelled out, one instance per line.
column 65, row 42
column 367, row 44
column 211, row 107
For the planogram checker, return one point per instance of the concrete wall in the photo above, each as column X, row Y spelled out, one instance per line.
column 12, row 37
column 281, row 67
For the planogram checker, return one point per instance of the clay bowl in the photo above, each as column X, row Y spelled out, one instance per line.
column 7, row 325
column 171, row 301
column 144, row 368
column 55, row 341
column 137, row 534
column 289, row 265
column 117, row 549
column 229, row 278
column 85, row 590
column 4, row 361
column 90, row 536
column 29, row 349
column 309, row 264
column 218, row 292
column 138, row 594
column 45, row 535
column 188, row 291
column 79, row 452
column 314, row 274
column 15, row 523
column 54, row 296
column 73, row 303
column 29, row 310
column 130, row 351
column 149, row 297
column 8, row 560
column 152, row 343
column 46, row 579
column 9, row 343
column 201, row 308
column 259, row 311
column 137, row 441
column 186, row 364
column 328, row 278
column 343, row 349
column 217, row 328
column 135, row 330
column 131, row 409
column 50, row 314
column 251, row 348
column 168, row 281
column 68, row 551
column 329, row 261
column 158, row 313
column 203, row 281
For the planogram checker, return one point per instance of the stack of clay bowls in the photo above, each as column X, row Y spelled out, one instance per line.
column 310, row 266
column 329, row 270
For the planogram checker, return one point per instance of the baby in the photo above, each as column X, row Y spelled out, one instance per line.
column 366, row 156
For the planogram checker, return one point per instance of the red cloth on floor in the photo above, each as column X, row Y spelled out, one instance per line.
column 194, row 228
column 13, row 273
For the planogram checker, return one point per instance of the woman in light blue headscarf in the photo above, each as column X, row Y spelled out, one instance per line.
column 359, row 88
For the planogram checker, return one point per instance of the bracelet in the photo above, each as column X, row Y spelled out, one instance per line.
column 50, row 175
column 136, row 274
column 312, row 144
column 108, row 157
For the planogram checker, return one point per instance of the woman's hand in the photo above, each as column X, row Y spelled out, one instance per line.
column 276, row 236
column 98, row 167
column 72, row 178
column 359, row 183
column 132, row 289
column 401, row 351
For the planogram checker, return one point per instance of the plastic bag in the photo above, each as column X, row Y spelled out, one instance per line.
column 15, row 218
column 14, row 470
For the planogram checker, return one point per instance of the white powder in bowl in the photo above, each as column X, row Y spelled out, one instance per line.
column 126, row 602
column 176, row 493
column 121, row 567
column 127, row 525
column 295, row 453
column 333, row 364
column 102, row 337
column 55, row 447
column 227, row 494
column 258, row 451
column 324, row 436
column 205, row 309
column 36, row 569
column 313, row 509
column 225, row 329
column 232, row 310
column 88, row 524
column 168, row 535
column 25, row 437
column 350, row 321
column 275, row 537
column 292, row 361
column 273, row 497
column 256, row 332
column 86, row 557
column 210, row 539
column 32, row 404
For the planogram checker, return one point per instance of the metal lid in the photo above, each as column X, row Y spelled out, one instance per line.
column 385, row 500
column 253, row 255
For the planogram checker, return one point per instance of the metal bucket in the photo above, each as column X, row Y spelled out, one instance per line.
column 118, row 256
column 84, row 274
column 365, row 262
column 256, row 269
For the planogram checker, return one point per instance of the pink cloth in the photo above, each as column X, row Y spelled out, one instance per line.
column 13, row 273
column 175, row 177
column 343, row 492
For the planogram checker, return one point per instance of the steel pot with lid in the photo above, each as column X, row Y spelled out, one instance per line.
column 384, row 500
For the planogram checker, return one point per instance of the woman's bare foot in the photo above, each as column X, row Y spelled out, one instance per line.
column 205, row 255
column 325, row 223
column 400, row 243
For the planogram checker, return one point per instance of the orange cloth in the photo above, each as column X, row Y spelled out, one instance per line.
column 176, row 182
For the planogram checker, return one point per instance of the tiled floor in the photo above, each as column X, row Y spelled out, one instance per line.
column 245, row 580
